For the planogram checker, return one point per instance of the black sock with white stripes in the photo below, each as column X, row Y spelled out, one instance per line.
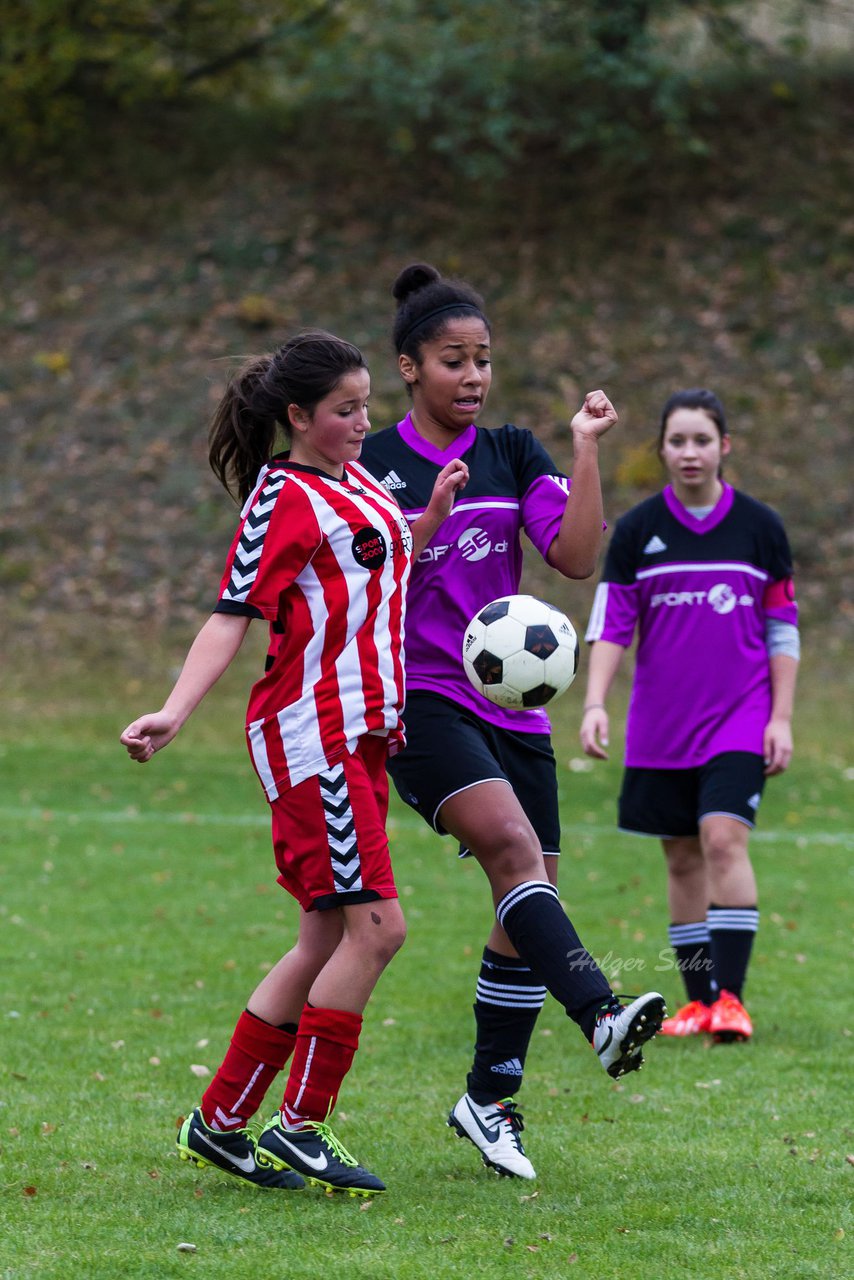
column 690, row 943
column 731, row 934
column 543, row 934
column 509, row 998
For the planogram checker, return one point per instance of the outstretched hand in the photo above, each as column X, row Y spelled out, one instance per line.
column 148, row 734
column 451, row 479
column 777, row 746
column 596, row 416
column 594, row 733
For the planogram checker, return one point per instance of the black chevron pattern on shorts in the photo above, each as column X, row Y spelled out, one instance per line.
column 340, row 830
column 251, row 543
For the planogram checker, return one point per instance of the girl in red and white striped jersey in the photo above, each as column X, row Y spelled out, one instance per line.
column 322, row 553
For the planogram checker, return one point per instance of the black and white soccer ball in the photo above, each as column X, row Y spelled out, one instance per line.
column 520, row 652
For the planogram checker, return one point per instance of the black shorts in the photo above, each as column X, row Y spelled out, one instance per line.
column 449, row 749
column 672, row 802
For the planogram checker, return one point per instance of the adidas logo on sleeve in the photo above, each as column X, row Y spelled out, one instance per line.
column 652, row 548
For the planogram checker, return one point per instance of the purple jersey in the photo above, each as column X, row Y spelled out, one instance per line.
column 476, row 555
column 699, row 593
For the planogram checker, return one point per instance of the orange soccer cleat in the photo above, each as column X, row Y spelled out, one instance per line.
column 691, row 1020
column 729, row 1019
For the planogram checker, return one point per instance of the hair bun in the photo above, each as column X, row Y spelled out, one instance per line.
column 412, row 278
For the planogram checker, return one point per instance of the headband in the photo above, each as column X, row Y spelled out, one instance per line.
column 438, row 311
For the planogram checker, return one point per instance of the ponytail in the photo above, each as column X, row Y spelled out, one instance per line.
column 250, row 423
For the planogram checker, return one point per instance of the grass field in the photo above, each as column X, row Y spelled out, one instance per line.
column 138, row 908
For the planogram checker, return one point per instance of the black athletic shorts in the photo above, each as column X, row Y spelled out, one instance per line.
column 672, row 802
column 449, row 749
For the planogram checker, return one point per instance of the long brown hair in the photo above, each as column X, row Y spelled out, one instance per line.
column 251, row 420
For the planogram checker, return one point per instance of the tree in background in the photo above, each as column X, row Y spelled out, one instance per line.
column 477, row 82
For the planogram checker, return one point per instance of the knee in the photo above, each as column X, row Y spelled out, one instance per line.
column 513, row 853
column 385, row 938
column 723, row 854
column 684, row 863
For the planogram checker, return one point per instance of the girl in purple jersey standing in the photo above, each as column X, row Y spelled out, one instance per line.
column 704, row 574
column 471, row 769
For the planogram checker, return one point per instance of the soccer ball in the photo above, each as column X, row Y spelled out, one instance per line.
column 520, row 652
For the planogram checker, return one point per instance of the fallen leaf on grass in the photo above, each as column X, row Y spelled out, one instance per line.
column 573, row 1257
column 183, row 1247
column 30, row 1191
column 198, row 1069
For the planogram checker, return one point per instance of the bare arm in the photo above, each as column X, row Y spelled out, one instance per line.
column 777, row 740
column 210, row 655
column 450, row 480
column 605, row 659
column 575, row 549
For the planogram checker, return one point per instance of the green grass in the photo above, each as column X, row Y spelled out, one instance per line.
column 138, row 908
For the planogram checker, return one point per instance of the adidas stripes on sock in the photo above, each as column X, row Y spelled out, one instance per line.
column 731, row 934
column 690, row 943
column 509, row 999
column 543, row 934
column 256, row 1055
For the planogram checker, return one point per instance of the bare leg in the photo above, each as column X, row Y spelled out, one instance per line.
column 372, row 933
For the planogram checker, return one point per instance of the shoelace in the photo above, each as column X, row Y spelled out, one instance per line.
column 611, row 1010
column 507, row 1110
column 338, row 1149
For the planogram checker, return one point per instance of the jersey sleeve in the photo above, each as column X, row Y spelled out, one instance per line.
column 615, row 608
column 543, row 490
column 779, row 600
column 277, row 537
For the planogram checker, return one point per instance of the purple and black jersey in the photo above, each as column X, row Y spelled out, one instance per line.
column 476, row 555
column 700, row 592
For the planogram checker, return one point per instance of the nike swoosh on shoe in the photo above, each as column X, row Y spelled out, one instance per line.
column 491, row 1135
column 318, row 1163
column 246, row 1163
column 603, row 1048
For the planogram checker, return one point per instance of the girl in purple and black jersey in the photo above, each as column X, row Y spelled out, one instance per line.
column 704, row 574
column 471, row 769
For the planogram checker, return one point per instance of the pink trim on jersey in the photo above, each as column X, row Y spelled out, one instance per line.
column 721, row 509
column 416, row 442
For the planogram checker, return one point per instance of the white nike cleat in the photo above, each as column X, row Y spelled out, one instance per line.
column 494, row 1130
column 233, row 1152
column 620, row 1033
column 316, row 1153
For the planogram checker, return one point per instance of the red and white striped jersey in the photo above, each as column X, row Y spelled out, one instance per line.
column 326, row 562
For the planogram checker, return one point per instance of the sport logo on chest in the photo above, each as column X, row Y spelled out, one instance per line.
column 369, row 548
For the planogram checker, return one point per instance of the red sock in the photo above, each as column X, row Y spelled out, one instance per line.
column 257, row 1054
column 327, row 1039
